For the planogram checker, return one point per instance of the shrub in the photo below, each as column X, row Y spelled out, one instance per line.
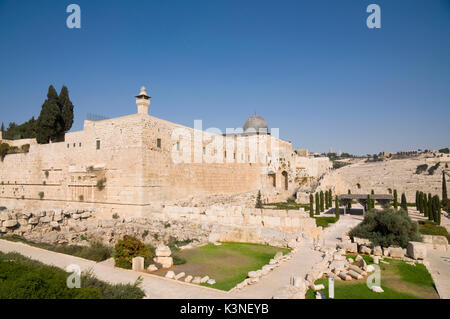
column 25, row 148
column 128, row 248
column 41, row 195
column 421, row 168
column 115, row 216
column 387, row 227
column 433, row 168
column 258, row 201
column 81, row 198
column 4, row 148
column 101, row 184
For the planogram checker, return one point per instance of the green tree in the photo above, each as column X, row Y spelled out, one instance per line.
column 3, row 127
column 395, row 199
column 444, row 190
column 326, row 199
column 66, row 109
column 417, row 200
column 322, row 202
column 311, row 205
column 430, row 207
column 369, row 205
column 48, row 123
column 425, row 205
column 317, row 204
column 404, row 203
column 336, row 208
column 350, row 202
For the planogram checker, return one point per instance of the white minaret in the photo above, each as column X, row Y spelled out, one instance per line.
column 143, row 101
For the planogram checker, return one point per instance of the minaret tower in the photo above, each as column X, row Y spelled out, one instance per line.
column 143, row 101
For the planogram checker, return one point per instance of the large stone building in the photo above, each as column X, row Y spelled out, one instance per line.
column 129, row 164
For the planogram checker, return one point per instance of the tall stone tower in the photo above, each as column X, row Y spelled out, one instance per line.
column 143, row 101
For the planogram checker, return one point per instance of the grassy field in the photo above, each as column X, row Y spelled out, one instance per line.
column 398, row 280
column 228, row 264
column 23, row 278
column 290, row 204
column 430, row 228
column 324, row 221
column 95, row 251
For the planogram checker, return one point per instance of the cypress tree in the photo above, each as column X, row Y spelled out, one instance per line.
column 444, row 189
column 311, row 205
column 425, row 205
column 395, row 199
column 430, row 207
column 404, row 203
column 438, row 208
column 66, row 109
column 3, row 128
column 317, row 204
column 337, row 212
column 322, row 202
column 326, row 200
column 368, row 203
column 350, row 203
column 331, row 198
column 47, row 124
column 417, row 200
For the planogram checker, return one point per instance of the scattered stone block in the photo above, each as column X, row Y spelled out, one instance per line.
column 318, row 287
column 170, row 274
column 196, row 280
column 211, row 282
column 378, row 251
column 165, row 262
column 162, row 251
column 152, row 268
column 345, row 276
column 365, row 250
column 416, row 250
column 354, row 274
column 396, row 252
column 10, row 223
column 204, row 279
column 180, row 275
column 370, row 268
column 252, row 274
column 376, row 259
column 377, row 289
column 188, row 279
column 137, row 263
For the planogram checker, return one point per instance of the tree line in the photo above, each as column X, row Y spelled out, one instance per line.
column 55, row 119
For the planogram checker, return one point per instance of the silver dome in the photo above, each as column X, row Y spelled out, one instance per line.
column 256, row 123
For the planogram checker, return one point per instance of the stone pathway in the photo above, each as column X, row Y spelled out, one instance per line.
column 158, row 287
column 439, row 267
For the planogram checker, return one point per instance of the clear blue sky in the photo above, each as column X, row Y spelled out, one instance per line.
column 311, row 68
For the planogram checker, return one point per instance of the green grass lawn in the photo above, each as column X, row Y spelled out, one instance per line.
column 430, row 228
column 290, row 204
column 23, row 278
column 324, row 221
column 95, row 251
column 228, row 264
column 398, row 280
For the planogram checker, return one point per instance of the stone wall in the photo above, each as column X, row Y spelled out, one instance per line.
column 79, row 226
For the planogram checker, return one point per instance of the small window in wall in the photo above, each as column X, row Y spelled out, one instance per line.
column 158, row 143
column 80, row 144
column 178, row 146
column 74, row 144
column 98, row 144
column 204, row 150
column 68, row 145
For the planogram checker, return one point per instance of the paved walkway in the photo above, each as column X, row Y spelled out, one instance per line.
column 158, row 287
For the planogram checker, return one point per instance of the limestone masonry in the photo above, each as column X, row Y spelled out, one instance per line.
column 132, row 165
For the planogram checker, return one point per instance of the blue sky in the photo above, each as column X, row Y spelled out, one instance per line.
column 311, row 68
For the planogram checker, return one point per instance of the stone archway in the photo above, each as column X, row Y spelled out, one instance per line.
column 285, row 180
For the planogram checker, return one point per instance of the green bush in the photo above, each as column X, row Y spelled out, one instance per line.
column 23, row 278
column 96, row 251
column 4, row 148
column 387, row 227
column 128, row 248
